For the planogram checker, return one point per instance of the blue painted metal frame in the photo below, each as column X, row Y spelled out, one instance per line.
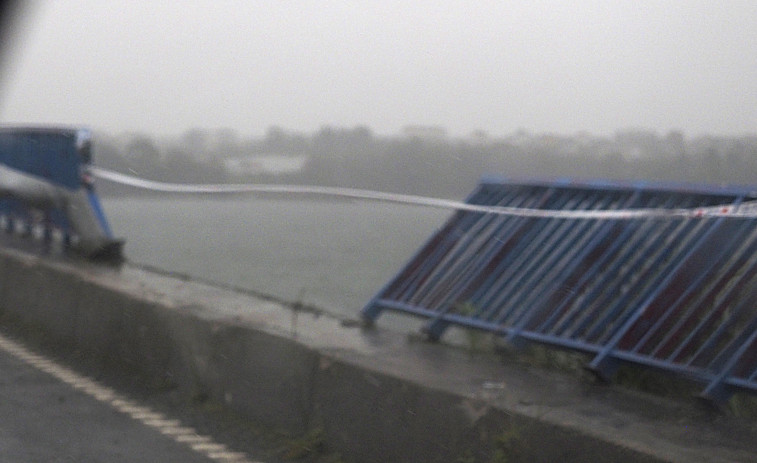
column 14, row 213
column 45, row 152
column 674, row 294
column 50, row 153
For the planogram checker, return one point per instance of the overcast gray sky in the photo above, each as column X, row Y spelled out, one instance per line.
column 495, row 65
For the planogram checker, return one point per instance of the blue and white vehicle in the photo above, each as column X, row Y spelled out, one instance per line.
column 44, row 177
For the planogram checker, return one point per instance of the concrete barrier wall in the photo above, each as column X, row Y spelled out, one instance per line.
column 369, row 410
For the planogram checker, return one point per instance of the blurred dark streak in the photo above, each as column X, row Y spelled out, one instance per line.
column 9, row 11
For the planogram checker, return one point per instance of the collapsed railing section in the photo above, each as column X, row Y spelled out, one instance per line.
column 674, row 293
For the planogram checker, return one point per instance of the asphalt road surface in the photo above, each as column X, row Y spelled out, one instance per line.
column 51, row 414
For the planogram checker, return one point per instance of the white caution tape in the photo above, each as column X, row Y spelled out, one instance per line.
column 744, row 210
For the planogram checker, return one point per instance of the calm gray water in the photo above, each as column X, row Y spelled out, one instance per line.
column 334, row 255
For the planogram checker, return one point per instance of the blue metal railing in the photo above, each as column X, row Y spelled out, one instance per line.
column 673, row 293
column 45, row 182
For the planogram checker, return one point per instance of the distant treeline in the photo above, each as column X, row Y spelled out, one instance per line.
column 433, row 165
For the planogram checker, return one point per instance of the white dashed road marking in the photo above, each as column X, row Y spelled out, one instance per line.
column 186, row 436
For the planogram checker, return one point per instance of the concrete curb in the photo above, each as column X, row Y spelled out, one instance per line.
column 376, row 396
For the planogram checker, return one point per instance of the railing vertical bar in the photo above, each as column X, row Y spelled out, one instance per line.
column 445, row 277
column 518, row 257
column 560, row 247
column 608, row 347
column 716, row 389
column 692, row 287
column 533, row 262
column 716, row 311
column 723, row 351
column 436, row 326
column 453, row 247
column 597, row 267
column 647, row 284
column 372, row 309
column 631, row 261
column 579, row 259
column 435, row 249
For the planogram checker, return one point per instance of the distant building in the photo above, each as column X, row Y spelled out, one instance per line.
column 425, row 132
column 521, row 137
column 479, row 137
column 637, row 143
column 265, row 164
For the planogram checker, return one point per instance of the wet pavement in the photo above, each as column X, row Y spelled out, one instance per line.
column 44, row 419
